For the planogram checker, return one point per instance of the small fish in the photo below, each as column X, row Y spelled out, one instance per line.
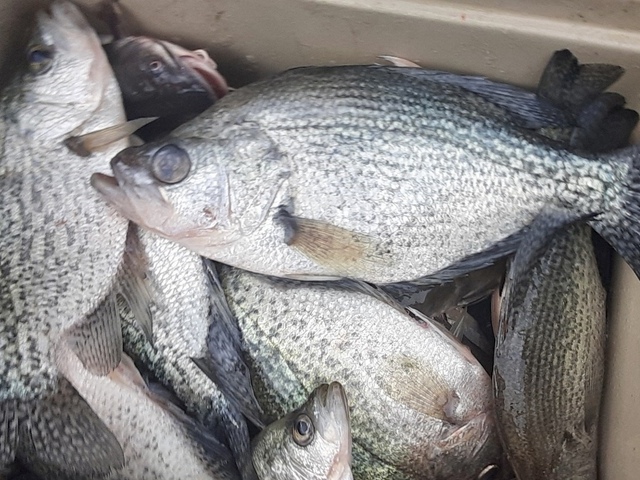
column 420, row 403
column 297, row 176
column 159, row 78
column 312, row 442
column 61, row 249
column 180, row 312
column 159, row 441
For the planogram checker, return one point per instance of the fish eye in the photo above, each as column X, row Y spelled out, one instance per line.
column 39, row 58
column 303, row 430
column 156, row 66
column 171, row 164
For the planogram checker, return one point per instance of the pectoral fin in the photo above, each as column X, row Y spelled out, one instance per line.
column 345, row 252
column 85, row 145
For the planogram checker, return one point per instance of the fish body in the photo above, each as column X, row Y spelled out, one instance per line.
column 158, row 440
column 420, row 404
column 299, row 176
column 549, row 362
column 312, row 442
column 61, row 245
column 181, row 314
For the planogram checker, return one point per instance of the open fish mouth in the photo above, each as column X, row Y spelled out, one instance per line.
column 207, row 71
column 332, row 417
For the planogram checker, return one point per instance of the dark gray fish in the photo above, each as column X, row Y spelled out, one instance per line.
column 298, row 176
column 61, row 249
column 549, row 359
column 313, row 442
column 159, row 78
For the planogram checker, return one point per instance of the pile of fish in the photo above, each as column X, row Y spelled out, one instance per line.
column 271, row 283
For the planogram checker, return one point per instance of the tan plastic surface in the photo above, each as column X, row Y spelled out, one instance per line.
column 508, row 40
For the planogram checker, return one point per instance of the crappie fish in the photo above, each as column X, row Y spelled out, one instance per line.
column 159, row 441
column 181, row 312
column 159, row 78
column 61, row 247
column 312, row 442
column 549, row 360
column 420, row 403
column 299, row 176
column 569, row 106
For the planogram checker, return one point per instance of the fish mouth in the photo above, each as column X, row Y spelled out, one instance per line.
column 134, row 194
column 333, row 423
column 202, row 67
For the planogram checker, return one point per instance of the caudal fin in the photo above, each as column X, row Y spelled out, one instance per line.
column 620, row 226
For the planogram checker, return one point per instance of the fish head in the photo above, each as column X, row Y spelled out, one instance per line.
column 158, row 78
column 311, row 442
column 66, row 75
column 328, row 410
column 194, row 192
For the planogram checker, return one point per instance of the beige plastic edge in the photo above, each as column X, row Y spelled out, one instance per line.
column 508, row 40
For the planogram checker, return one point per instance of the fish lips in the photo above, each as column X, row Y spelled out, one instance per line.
column 331, row 410
column 133, row 192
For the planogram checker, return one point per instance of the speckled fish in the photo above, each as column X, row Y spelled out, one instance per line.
column 61, row 247
column 549, row 361
column 159, row 441
column 369, row 172
column 420, row 403
column 183, row 315
column 312, row 442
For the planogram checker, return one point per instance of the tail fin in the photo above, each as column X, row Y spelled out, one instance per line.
column 620, row 226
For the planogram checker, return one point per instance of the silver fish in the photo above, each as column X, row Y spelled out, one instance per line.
column 181, row 311
column 368, row 172
column 421, row 405
column 61, row 247
column 159, row 441
column 312, row 442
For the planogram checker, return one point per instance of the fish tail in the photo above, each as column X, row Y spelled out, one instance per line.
column 620, row 225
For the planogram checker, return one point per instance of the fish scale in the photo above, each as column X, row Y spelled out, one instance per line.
column 61, row 245
column 297, row 334
column 371, row 173
column 549, row 363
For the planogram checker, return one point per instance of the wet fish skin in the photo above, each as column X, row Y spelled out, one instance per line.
column 61, row 245
column 549, row 361
column 280, row 452
column 181, row 313
column 159, row 441
column 159, row 78
column 297, row 176
column 420, row 404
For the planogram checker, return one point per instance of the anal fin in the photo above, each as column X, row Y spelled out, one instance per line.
column 98, row 341
column 61, row 435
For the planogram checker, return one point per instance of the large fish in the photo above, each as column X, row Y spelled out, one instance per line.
column 369, row 172
column 183, row 316
column 313, row 442
column 420, row 403
column 61, row 247
column 549, row 360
